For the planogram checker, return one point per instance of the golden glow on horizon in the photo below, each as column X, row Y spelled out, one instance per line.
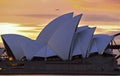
column 19, row 13
column 13, row 28
column 32, row 32
column 6, row 28
column 106, row 29
column 109, row 27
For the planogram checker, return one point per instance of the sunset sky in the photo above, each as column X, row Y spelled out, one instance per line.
column 28, row 17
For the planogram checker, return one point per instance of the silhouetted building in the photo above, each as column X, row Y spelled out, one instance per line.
column 61, row 39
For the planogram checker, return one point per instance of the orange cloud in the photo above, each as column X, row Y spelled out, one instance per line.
column 97, row 5
column 34, row 12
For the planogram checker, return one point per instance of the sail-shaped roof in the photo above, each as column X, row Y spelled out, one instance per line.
column 21, row 46
column 12, row 41
column 93, row 47
column 45, row 52
column 100, row 42
column 79, row 29
column 62, row 38
column 30, row 47
column 83, row 42
column 76, row 48
column 50, row 29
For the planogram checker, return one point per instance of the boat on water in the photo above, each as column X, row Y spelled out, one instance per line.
column 61, row 48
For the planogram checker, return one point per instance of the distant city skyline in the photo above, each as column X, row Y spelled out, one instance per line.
column 28, row 17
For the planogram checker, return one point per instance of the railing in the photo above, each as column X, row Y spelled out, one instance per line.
column 114, row 47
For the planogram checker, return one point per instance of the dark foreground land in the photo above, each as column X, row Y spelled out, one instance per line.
column 93, row 65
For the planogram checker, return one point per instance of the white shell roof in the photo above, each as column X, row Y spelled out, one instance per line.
column 30, row 47
column 79, row 29
column 93, row 47
column 60, row 37
column 76, row 48
column 45, row 52
column 12, row 41
column 83, row 41
column 22, row 46
column 101, row 42
column 50, row 29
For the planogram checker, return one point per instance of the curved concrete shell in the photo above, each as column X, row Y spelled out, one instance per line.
column 93, row 47
column 83, row 42
column 26, row 45
column 11, row 42
column 20, row 46
column 50, row 29
column 62, row 38
column 30, row 47
column 45, row 52
column 100, row 42
column 79, row 29
column 47, row 33
column 76, row 48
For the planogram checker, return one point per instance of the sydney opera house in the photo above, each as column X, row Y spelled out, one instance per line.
column 61, row 48
column 61, row 38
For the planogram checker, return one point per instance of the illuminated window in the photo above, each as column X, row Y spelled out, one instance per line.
column 10, row 58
